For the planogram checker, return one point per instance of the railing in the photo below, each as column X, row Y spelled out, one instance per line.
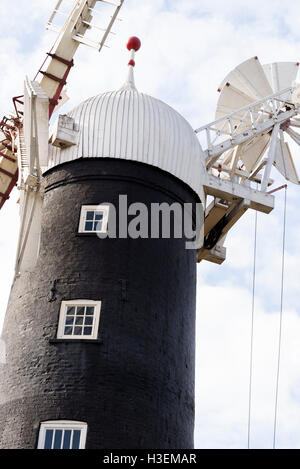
column 250, row 117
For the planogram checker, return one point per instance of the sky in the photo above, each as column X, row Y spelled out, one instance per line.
column 187, row 49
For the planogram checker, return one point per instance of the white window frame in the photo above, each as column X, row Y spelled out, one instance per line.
column 78, row 303
column 93, row 208
column 62, row 425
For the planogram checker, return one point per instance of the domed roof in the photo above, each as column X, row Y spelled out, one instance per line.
column 131, row 125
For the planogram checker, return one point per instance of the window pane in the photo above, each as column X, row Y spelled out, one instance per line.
column 98, row 226
column 76, row 439
column 48, row 439
column 79, row 321
column 69, row 320
column 67, row 439
column 70, row 310
column 57, row 439
column 99, row 216
column 90, row 310
column 80, row 311
column 89, row 321
column 88, row 331
column 78, row 330
column 68, row 330
column 89, row 226
column 90, row 215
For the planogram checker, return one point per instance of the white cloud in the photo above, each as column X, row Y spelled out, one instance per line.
column 223, row 358
column 187, row 50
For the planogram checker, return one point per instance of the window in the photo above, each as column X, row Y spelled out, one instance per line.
column 79, row 319
column 93, row 219
column 62, row 435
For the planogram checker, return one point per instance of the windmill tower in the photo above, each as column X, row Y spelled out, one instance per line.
column 100, row 329
column 103, row 354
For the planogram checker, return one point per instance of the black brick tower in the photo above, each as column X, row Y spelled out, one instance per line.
column 100, row 331
column 135, row 385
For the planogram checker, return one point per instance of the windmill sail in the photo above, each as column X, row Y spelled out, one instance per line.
column 250, row 96
column 249, row 77
column 281, row 75
column 251, row 152
column 284, row 161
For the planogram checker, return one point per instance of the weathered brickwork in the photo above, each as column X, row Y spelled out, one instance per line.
column 135, row 386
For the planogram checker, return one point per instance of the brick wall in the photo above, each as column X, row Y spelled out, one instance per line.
column 135, row 385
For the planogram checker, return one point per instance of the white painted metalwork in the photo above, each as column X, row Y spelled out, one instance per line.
column 71, row 34
column 33, row 155
column 240, row 136
column 130, row 125
column 36, row 126
column 271, row 157
column 244, row 123
column 64, row 132
column 257, row 105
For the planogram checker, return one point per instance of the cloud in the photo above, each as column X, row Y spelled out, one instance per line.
column 223, row 358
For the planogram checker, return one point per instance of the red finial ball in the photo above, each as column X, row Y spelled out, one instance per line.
column 134, row 43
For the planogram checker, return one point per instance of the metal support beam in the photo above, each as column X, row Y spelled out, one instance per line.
column 7, row 173
column 218, row 150
column 71, row 34
column 271, row 158
column 4, row 196
column 9, row 158
column 228, row 190
column 9, row 189
column 69, row 63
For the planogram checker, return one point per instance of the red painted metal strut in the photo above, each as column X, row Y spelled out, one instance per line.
column 61, row 81
column 5, row 197
column 53, row 77
column 7, row 173
column 7, row 125
column 57, row 95
column 16, row 100
column 9, row 158
column 69, row 63
column 278, row 189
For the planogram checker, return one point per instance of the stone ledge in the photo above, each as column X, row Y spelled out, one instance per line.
column 75, row 341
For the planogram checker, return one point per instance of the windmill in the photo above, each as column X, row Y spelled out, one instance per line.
column 257, row 109
column 24, row 135
column 101, row 332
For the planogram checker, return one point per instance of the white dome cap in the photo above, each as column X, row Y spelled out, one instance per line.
column 130, row 125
